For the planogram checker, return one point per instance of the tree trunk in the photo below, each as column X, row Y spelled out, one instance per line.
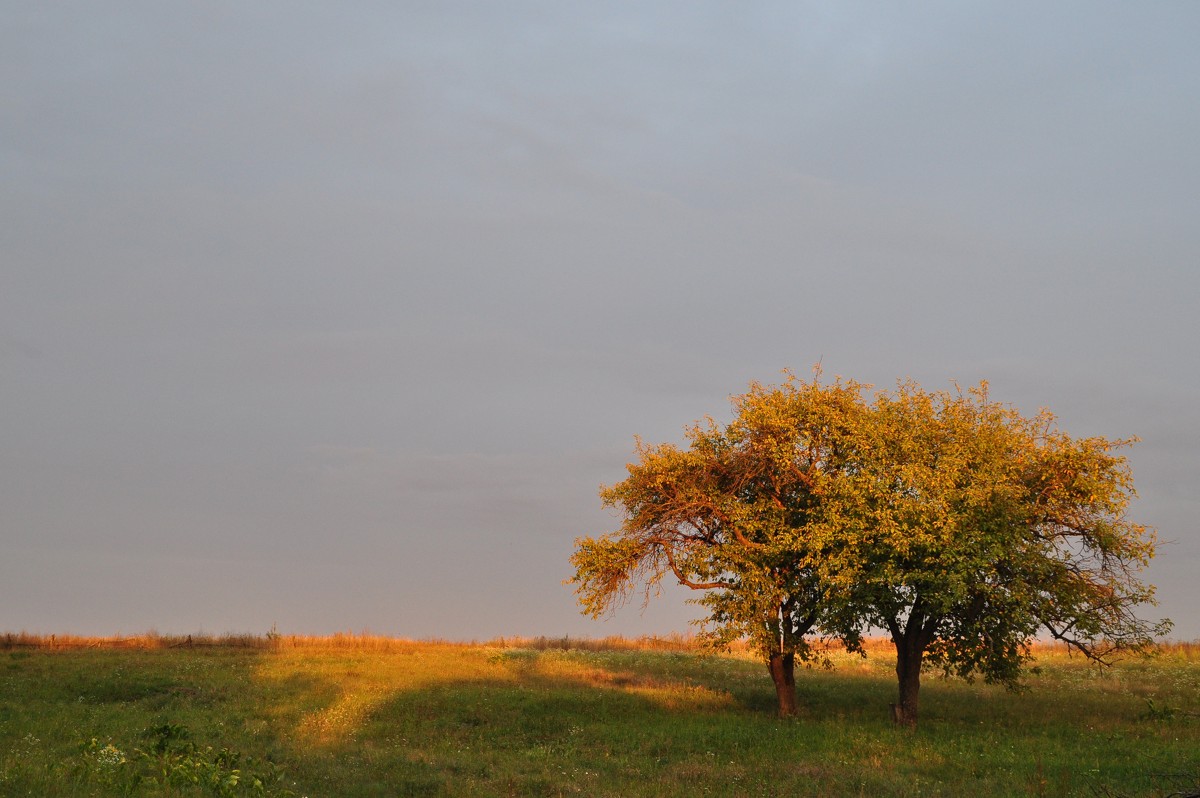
column 908, row 674
column 783, row 673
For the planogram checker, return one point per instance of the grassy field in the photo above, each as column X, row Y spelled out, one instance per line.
column 362, row 716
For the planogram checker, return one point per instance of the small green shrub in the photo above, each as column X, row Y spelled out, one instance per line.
column 171, row 764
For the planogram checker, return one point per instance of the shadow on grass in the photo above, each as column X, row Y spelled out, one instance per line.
column 526, row 722
column 425, row 719
column 519, row 722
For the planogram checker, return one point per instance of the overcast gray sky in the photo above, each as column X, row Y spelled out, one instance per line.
column 335, row 316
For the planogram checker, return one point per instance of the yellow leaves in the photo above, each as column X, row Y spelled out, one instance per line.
column 607, row 569
column 912, row 495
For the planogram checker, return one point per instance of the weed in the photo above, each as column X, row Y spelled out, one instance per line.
column 171, row 764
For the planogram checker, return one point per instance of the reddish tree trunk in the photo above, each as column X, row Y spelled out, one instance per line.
column 783, row 674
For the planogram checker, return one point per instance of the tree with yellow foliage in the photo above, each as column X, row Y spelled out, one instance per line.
column 954, row 523
column 728, row 516
column 964, row 529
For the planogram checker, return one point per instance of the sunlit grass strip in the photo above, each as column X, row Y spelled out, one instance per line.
column 365, row 641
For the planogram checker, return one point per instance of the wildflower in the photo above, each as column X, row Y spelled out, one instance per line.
column 110, row 756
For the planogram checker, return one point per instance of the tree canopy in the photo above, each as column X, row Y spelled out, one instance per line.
column 728, row 516
column 965, row 529
column 953, row 522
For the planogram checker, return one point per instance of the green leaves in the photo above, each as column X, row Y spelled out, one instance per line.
column 172, row 765
column 948, row 518
column 732, row 515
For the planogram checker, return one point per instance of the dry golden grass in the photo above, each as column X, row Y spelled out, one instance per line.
column 671, row 642
column 148, row 641
column 364, row 641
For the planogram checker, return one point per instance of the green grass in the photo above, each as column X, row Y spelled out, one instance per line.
column 380, row 718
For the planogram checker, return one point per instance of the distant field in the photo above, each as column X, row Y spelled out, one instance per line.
column 367, row 716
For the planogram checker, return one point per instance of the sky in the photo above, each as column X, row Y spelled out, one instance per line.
column 334, row 317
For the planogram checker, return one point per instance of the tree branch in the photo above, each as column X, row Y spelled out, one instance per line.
column 683, row 580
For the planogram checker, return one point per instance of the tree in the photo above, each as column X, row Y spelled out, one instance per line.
column 727, row 516
column 964, row 528
column 956, row 524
